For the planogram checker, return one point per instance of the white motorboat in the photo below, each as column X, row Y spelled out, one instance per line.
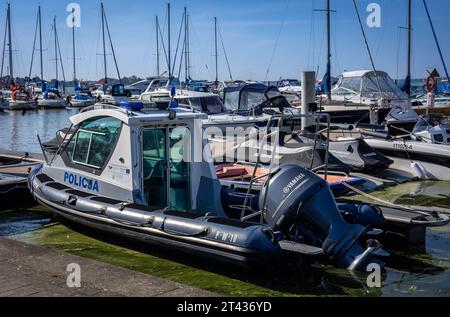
column 359, row 92
column 425, row 152
column 50, row 99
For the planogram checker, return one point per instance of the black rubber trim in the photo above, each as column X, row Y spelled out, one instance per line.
column 78, row 193
column 232, row 222
column 142, row 207
column 183, row 214
column 106, row 200
column 57, row 186
column 43, row 178
column 246, row 253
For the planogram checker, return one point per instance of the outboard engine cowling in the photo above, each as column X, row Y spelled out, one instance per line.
column 300, row 199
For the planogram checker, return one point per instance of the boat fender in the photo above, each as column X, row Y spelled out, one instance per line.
column 183, row 227
column 90, row 206
column 137, row 217
column 419, row 170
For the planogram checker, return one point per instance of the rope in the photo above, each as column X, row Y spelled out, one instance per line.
column 225, row 53
column 367, row 46
column 178, row 44
column 278, row 38
column 34, row 47
column 362, row 193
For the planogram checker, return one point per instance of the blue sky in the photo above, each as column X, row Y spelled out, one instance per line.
column 250, row 30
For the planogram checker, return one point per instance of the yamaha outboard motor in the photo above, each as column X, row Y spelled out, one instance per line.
column 302, row 206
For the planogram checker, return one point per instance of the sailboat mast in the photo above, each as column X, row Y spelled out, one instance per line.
column 40, row 42
column 168, row 31
column 215, row 47
column 8, row 18
column 186, row 47
column 157, row 46
column 104, row 45
column 408, row 71
column 73, row 47
column 56, row 48
column 328, row 77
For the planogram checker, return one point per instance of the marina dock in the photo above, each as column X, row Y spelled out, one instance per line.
column 29, row 270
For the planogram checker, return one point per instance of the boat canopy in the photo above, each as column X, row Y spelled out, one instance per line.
column 369, row 85
column 244, row 98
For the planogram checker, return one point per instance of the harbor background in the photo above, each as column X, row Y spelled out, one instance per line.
column 415, row 273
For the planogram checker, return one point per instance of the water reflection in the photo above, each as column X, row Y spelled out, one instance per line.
column 412, row 273
column 18, row 130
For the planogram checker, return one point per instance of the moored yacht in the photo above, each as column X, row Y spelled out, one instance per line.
column 359, row 95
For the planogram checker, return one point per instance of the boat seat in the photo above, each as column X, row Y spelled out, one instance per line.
column 183, row 214
column 58, row 186
column 232, row 222
column 43, row 178
column 106, row 200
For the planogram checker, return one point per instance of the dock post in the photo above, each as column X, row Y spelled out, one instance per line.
column 308, row 96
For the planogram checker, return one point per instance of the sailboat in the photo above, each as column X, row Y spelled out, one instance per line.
column 82, row 97
column 364, row 96
column 50, row 97
column 17, row 97
column 117, row 93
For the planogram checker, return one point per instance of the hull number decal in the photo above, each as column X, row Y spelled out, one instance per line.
column 402, row 146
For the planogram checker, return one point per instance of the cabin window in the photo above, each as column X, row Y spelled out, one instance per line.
column 94, row 141
column 232, row 100
column 166, row 173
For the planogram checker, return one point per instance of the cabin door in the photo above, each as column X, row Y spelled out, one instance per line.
column 166, row 170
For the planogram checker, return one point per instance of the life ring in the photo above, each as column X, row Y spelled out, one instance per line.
column 431, row 83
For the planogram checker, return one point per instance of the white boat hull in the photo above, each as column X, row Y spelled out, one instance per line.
column 51, row 103
column 81, row 103
column 434, row 159
column 21, row 105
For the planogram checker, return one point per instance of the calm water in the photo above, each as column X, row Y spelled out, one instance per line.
column 18, row 130
column 423, row 272
column 419, row 272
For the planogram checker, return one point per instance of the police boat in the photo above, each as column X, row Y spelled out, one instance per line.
column 148, row 175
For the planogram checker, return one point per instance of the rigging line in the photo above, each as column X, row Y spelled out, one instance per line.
column 311, row 37
column 436, row 40
column 367, row 46
column 398, row 51
column 3, row 59
column 112, row 48
column 178, row 43
column 34, row 48
column 60, row 56
column 278, row 38
column 163, row 45
column 225, row 53
column 181, row 59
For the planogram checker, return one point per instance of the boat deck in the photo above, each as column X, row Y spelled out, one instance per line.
column 29, row 270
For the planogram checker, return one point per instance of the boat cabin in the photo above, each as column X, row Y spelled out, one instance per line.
column 156, row 158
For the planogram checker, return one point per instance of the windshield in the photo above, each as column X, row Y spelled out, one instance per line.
column 250, row 99
column 430, row 121
column 387, row 87
column 232, row 100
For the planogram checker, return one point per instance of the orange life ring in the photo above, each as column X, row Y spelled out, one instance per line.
column 431, row 83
